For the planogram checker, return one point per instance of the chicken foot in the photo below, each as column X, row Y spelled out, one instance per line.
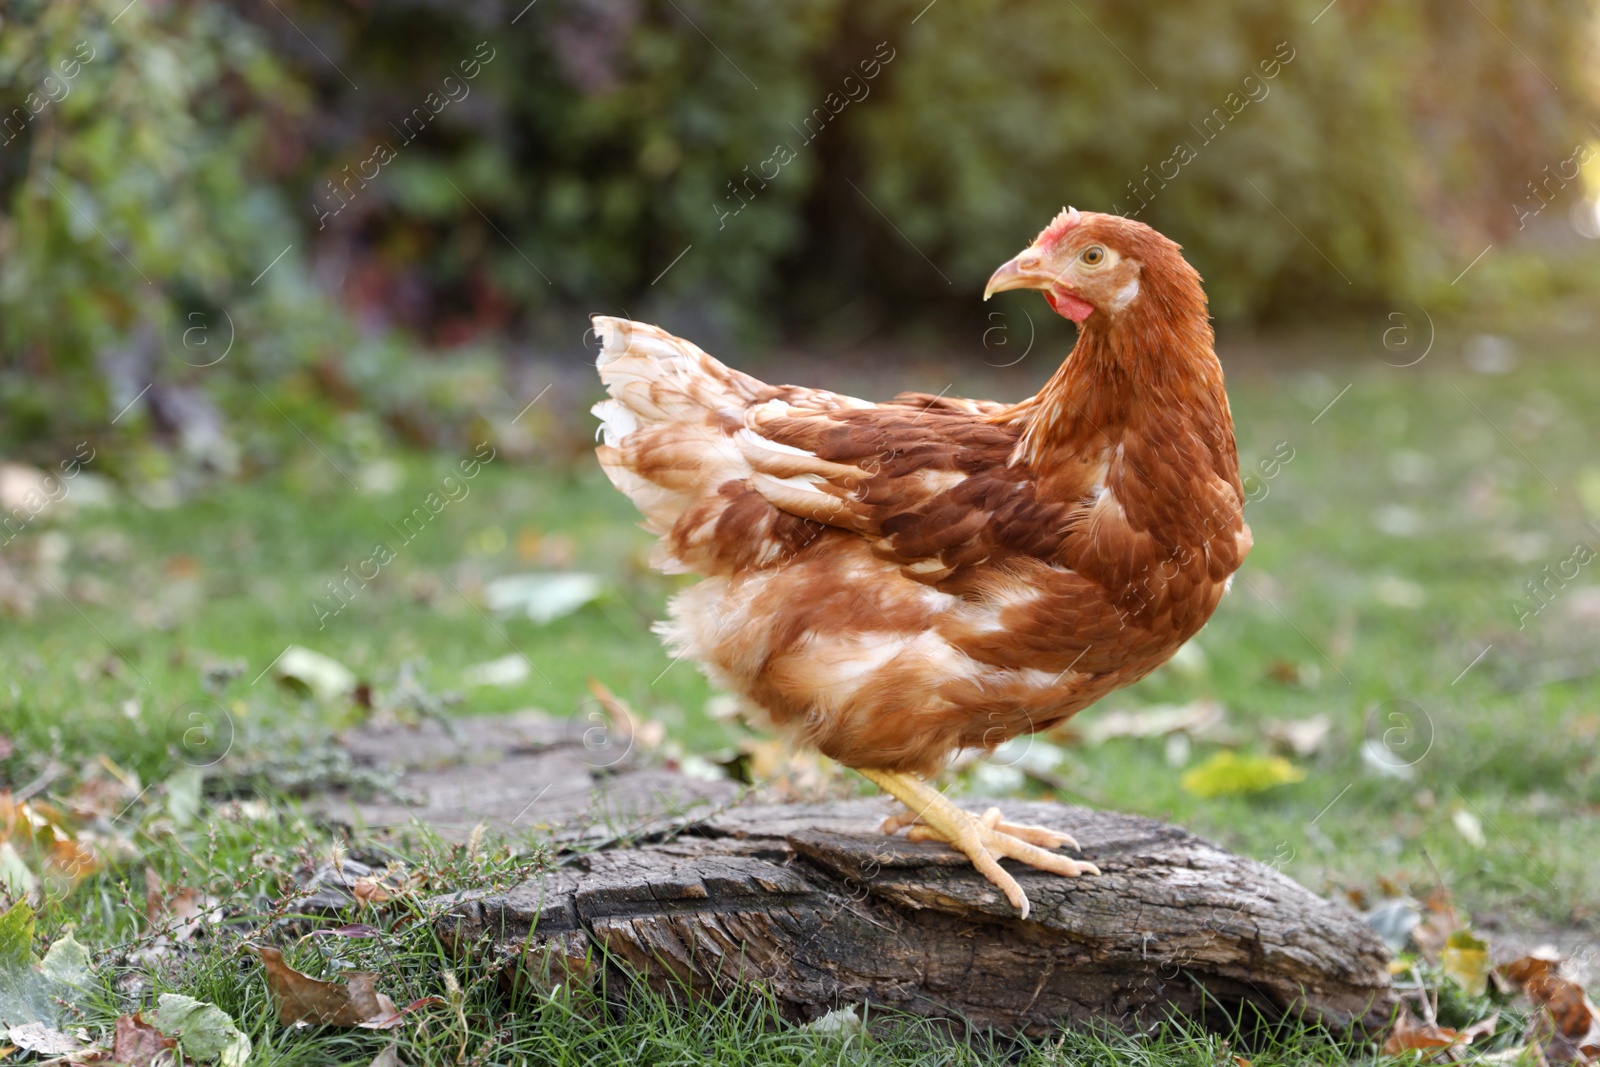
column 982, row 839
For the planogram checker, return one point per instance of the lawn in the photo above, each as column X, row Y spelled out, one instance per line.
column 1399, row 514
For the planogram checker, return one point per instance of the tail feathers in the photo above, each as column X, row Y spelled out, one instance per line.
column 671, row 444
column 663, row 378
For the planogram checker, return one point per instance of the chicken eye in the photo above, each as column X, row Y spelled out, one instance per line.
column 1093, row 254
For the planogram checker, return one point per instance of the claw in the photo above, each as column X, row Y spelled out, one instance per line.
column 982, row 839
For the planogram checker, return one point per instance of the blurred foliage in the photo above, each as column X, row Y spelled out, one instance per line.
column 1386, row 150
column 442, row 173
column 138, row 211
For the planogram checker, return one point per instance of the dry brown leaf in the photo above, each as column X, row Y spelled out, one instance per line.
column 104, row 789
column 183, row 911
column 1409, row 1033
column 1542, row 962
column 304, row 1001
column 371, row 890
column 616, row 709
column 627, row 725
column 45, row 836
column 1568, row 1027
column 1484, row 1027
column 138, row 1044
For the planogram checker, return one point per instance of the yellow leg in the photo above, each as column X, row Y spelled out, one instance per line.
column 983, row 840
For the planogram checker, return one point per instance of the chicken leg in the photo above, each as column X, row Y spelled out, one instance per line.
column 982, row 839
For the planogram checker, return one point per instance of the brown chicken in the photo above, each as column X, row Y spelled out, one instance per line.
column 890, row 583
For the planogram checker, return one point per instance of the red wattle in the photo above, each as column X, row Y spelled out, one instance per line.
column 1068, row 306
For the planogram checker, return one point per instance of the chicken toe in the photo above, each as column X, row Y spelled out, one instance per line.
column 982, row 839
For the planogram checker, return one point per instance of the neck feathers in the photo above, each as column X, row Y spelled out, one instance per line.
column 1155, row 358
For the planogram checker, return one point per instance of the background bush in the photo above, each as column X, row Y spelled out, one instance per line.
column 598, row 144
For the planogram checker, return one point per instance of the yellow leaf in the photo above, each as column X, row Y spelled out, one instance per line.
column 1229, row 773
column 1465, row 959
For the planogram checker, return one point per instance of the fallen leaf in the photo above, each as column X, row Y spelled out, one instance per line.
column 389, row 1022
column 27, row 489
column 1376, row 757
column 1301, row 737
column 1469, row 826
column 1484, row 1027
column 314, row 673
column 43, row 1040
column 1465, row 960
column 16, row 877
column 136, row 1043
column 1394, row 920
column 1409, row 1033
column 1542, row 961
column 370, row 889
column 37, row 841
column 66, row 962
column 16, row 938
column 621, row 716
column 544, row 596
column 1568, row 1027
column 389, row 1057
column 204, row 1031
column 303, row 1000
column 1282, row 670
column 350, row 930
column 1194, row 718
column 1232, row 773
column 183, row 912
column 507, row 670
column 840, row 1022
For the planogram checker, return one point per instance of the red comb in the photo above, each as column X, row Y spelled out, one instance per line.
column 1058, row 229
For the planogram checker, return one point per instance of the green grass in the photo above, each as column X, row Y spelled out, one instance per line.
column 1391, row 550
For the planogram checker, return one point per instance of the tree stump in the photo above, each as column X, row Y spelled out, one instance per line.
column 814, row 905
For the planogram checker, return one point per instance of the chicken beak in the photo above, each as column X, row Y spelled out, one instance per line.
column 1012, row 275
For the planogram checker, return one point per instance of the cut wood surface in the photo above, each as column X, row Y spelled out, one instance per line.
column 814, row 905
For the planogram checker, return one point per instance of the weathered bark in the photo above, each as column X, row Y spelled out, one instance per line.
column 816, row 906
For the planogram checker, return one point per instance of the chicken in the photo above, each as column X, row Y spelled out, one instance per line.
column 892, row 582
